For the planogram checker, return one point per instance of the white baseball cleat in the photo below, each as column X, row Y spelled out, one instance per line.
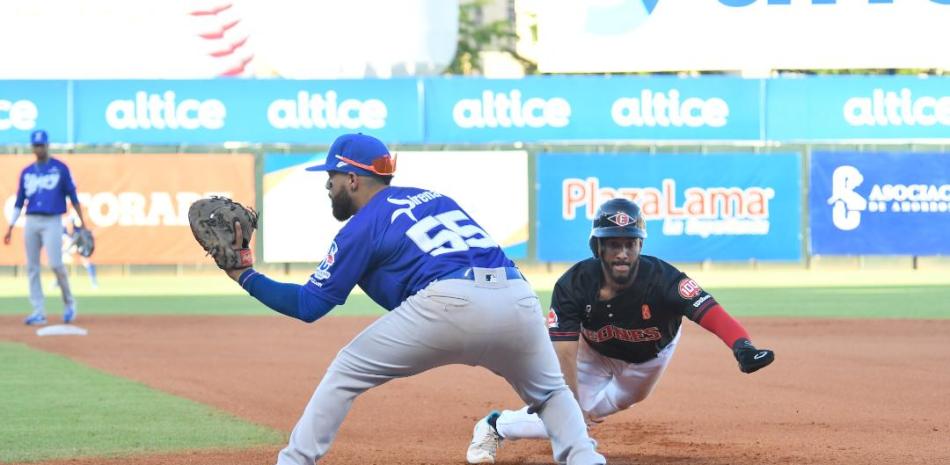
column 485, row 441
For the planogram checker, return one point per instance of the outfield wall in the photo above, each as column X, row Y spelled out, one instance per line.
column 726, row 169
column 722, row 205
column 137, row 206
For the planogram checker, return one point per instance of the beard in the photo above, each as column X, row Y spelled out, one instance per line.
column 620, row 277
column 343, row 207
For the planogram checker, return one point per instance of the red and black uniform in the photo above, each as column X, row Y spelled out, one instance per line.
column 629, row 339
column 639, row 322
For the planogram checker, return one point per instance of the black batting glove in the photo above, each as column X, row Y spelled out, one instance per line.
column 751, row 359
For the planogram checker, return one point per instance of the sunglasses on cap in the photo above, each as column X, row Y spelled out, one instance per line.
column 384, row 165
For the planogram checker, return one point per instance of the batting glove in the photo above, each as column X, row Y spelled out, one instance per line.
column 751, row 359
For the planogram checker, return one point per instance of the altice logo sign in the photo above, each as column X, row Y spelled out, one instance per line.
column 165, row 111
column 18, row 114
column 511, row 109
column 326, row 110
column 897, row 108
column 669, row 109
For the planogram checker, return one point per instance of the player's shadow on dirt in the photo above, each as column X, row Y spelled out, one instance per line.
column 646, row 460
column 635, row 442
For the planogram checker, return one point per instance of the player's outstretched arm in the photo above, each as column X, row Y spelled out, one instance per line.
column 723, row 325
column 223, row 228
column 567, row 357
column 288, row 299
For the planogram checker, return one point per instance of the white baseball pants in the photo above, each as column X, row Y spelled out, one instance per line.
column 492, row 322
column 604, row 385
column 45, row 231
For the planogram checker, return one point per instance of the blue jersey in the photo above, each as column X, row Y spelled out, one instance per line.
column 400, row 241
column 46, row 186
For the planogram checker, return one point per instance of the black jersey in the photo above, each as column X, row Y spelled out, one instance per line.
column 637, row 323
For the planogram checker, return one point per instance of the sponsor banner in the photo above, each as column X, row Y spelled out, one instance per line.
column 858, row 107
column 592, row 108
column 137, row 206
column 189, row 39
column 29, row 105
column 583, row 36
column 698, row 207
column 491, row 186
column 474, row 111
column 211, row 112
column 879, row 203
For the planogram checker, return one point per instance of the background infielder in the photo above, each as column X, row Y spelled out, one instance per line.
column 453, row 294
column 44, row 187
column 628, row 308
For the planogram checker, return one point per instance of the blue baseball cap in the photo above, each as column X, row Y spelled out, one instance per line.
column 360, row 154
column 39, row 137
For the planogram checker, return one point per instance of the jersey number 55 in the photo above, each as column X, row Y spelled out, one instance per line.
column 450, row 236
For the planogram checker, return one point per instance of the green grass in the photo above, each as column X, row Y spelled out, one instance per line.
column 930, row 301
column 812, row 294
column 55, row 408
column 356, row 305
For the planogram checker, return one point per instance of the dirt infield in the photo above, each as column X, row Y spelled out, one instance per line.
column 840, row 392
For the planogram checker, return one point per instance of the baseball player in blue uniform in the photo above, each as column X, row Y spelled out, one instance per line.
column 615, row 323
column 452, row 294
column 44, row 187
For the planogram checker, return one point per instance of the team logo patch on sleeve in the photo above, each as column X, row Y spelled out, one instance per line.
column 323, row 269
column 689, row 289
column 552, row 318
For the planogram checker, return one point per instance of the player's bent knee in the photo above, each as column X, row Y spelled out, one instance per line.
column 539, row 405
column 627, row 402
